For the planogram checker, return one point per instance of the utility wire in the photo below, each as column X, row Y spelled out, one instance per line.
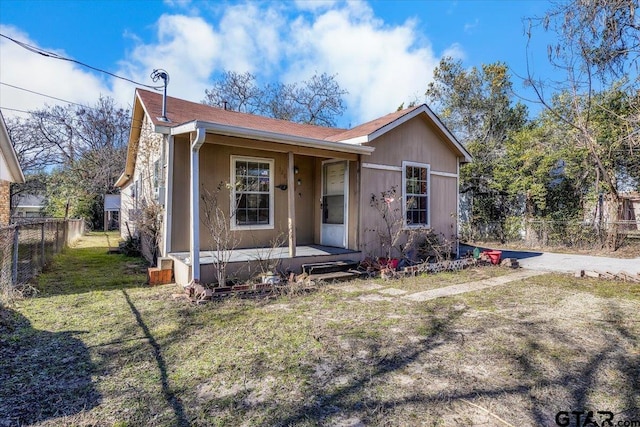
column 15, row 109
column 54, row 55
column 42, row 94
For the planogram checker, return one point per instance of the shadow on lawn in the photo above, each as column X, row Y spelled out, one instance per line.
column 358, row 399
column 43, row 375
column 169, row 395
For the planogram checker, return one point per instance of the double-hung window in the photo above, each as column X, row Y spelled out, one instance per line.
column 252, row 198
column 415, row 189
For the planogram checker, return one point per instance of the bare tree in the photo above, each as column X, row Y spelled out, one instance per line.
column 317, row 101
column 237, row 92
column 217, row 219
column 598, row 49
column 84, row 147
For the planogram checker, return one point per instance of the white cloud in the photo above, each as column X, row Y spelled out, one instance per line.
column 380, row 66
column 315, row 5
column 186, row 47
column 191, row 49
column 252, row 38
column 37, row 73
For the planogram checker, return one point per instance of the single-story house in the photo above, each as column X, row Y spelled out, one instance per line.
column 111, row 212
column 10, row 171
column 28, row 206
column 308, row 187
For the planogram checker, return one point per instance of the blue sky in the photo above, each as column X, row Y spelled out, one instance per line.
column 383, row 52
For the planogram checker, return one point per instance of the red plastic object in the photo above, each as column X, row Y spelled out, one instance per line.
column 389, row 263
column 494, row 256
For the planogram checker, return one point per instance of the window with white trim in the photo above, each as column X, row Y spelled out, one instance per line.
column 252, row 199
column 415, row 192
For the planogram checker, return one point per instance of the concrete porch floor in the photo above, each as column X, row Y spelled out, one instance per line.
column 246, row 263
column 255, row 254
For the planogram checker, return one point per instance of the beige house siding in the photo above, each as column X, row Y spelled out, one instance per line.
column 181, row 203
column 414, row 141
column 215, row 168
column 444, row 206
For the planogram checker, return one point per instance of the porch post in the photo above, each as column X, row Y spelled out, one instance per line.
column 194, row 196
column 291, row 193
column 458, row 229
column 168, row 196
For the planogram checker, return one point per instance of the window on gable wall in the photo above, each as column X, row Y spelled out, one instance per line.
column 252, row 192
column 415, row 192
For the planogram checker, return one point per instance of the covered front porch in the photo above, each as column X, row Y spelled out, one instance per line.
column 250, row 262
column 300, row 192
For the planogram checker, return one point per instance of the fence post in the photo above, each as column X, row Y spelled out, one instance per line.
column 43, row 260
column 14, row 266
column 57, row 236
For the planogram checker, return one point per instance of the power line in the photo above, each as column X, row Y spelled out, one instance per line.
column 54, row 55
column 15, row 109
column 42, row 94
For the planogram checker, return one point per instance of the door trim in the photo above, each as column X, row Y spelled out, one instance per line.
column 345, row 237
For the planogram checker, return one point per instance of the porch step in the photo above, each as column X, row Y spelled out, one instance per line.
column 329, row 267
column 335, row 276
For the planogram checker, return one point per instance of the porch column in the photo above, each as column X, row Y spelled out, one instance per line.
column 291, row 193
column 168, row 196
column 194, row 196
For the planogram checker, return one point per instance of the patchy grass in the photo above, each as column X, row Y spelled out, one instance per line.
column 98, row 348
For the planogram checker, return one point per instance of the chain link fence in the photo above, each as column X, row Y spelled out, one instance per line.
column 26, row 247
column 547, row 233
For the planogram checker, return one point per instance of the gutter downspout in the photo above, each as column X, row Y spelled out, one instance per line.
column 194, row 197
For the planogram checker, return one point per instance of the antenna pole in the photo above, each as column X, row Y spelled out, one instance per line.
column 162, row 74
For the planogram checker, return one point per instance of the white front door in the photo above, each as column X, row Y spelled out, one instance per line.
column 335, row 184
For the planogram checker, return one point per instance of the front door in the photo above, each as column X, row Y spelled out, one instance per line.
column 335, row 184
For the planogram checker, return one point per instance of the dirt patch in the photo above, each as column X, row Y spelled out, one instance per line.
column 392, row 291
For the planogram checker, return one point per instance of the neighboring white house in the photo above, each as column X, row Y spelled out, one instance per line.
column 111, row 212
column 28, row 206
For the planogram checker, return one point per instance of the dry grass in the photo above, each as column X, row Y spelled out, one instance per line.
column 344, row 355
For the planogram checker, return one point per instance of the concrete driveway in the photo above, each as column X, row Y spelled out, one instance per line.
column 567, row 263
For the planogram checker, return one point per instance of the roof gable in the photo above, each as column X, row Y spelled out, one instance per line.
column 369, row 131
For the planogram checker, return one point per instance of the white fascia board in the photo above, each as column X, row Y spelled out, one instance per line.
column 270, row 137
column 357, row 140
column 166, row 130
column 446, row 174
column 9, row 154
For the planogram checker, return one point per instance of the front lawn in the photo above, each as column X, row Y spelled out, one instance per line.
column 98, row 347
